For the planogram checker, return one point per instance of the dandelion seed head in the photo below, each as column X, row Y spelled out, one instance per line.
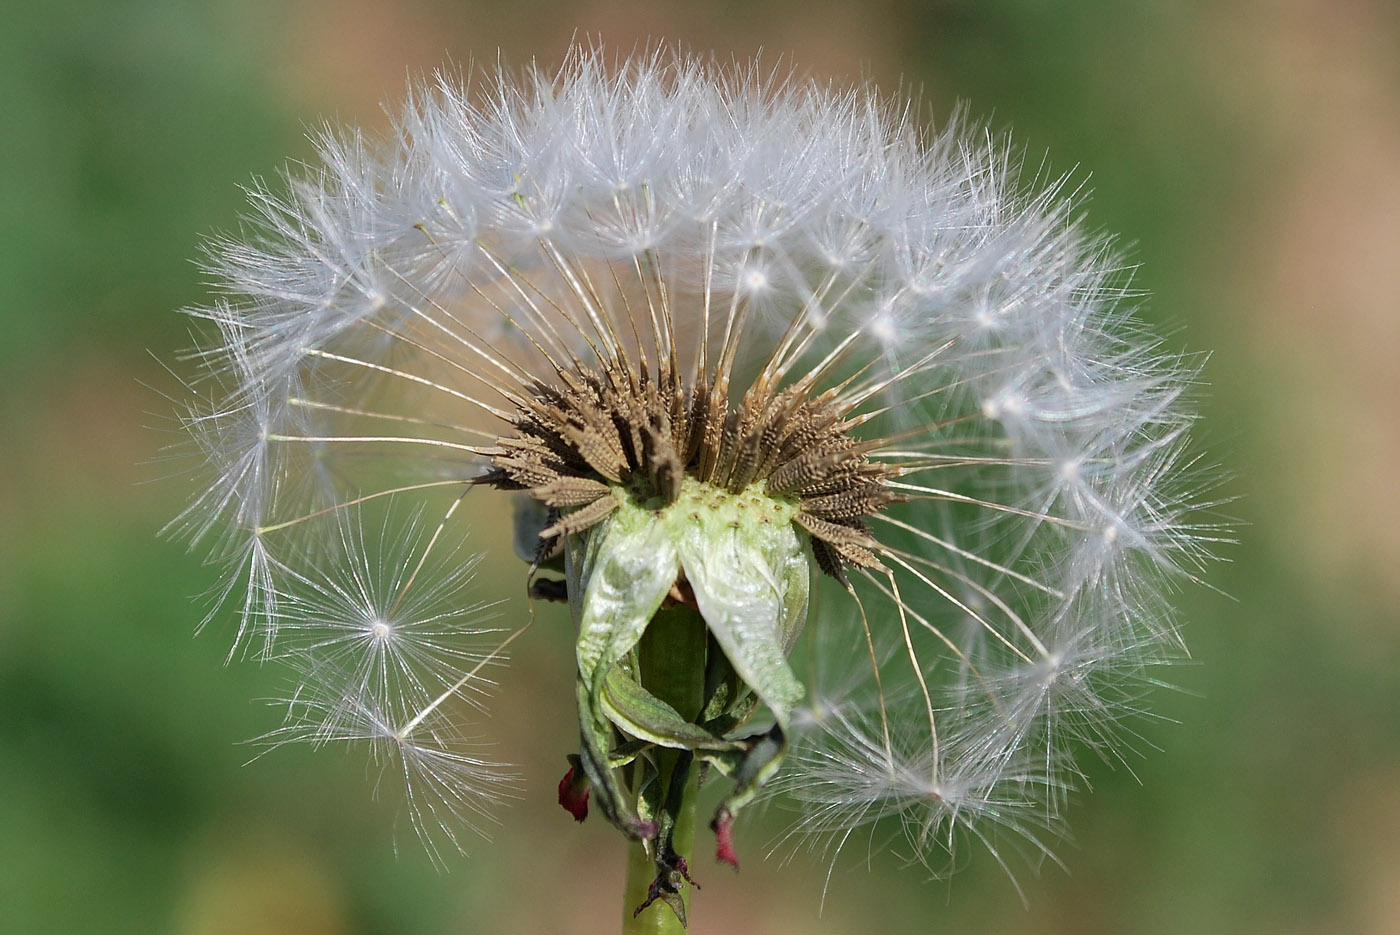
column 952, row 470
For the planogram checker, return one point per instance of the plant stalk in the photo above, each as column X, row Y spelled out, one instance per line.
column 671, row 657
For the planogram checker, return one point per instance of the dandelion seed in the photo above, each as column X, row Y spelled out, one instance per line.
column 850, row 466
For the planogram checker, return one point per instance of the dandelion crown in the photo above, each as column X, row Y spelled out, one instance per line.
column 858, row 484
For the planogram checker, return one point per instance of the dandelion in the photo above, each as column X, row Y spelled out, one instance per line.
column 858, row 480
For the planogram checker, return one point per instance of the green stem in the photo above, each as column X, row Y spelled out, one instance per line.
column 671, row 657
column 658, row 918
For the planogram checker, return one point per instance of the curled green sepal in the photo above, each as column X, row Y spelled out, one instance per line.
column 750, row 582
column 641, row 714
column 625, row 569
column 750, row 766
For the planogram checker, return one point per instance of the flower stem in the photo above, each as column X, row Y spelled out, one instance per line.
column 658, row 918
column 671, row 657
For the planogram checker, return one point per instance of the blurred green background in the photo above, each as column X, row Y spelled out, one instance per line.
column 1249, row 152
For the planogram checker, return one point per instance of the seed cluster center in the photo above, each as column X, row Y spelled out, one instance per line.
column 578, row 445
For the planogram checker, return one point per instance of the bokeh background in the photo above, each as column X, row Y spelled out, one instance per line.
column 1248, row 151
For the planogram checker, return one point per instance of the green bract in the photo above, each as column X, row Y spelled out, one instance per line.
column 740, row 562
